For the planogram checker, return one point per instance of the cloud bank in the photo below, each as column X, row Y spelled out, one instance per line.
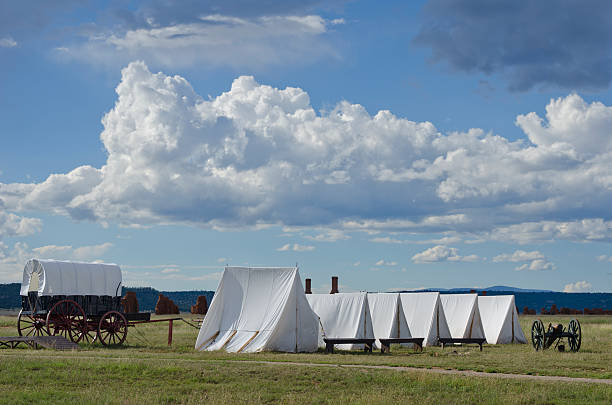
column 539, row 43
column 211, row 40
column 256, row 156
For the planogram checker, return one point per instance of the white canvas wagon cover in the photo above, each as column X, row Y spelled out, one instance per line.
column 53, row 277
column 259, row 309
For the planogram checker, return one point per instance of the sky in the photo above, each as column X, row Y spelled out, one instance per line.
column 397, row 145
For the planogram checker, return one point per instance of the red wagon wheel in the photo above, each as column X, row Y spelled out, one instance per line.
column 89, row 332
column 112, row 329
column 31, row 325
column 66, row 318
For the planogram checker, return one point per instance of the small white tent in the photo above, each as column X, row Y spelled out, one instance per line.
column 259, row 309
column 388, row 320
column 425, row 316
column 344, row 315
column 462, row 315
column 500, row 319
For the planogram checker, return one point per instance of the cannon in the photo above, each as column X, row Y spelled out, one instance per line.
column 542, row 340
column 79, row 301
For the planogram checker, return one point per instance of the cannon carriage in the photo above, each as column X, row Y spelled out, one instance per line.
column 554, row 335
column 79, row 301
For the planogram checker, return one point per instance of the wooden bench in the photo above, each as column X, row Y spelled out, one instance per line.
column 330, row 342
column 385, row 344
column 463, row 341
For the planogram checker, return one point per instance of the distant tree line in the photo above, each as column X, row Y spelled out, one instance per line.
column 147, row 297
column 567, row 311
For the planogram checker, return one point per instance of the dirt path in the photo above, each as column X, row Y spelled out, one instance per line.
column 464, row 373
column 461, row 373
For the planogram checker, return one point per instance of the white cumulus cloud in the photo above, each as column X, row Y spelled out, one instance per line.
column 13, row 225
column 257, row 156
column 518, row 256
column 442, row 253
column 7, row 42
column 578, row 286
column 383, row 262
column 295, row 247
column 537, row 265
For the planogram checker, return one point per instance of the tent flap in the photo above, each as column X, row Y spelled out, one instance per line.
column 462, row 314
column 344, row 315
column 500, row 319
column 388, row 320
column 425, row 316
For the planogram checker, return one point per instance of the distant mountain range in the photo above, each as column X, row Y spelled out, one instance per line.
column 495, row 288
column 533, row 299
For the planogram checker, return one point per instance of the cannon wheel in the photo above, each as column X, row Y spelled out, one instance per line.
column 537, row 335
column 66, row 318
column 112, row 329
column 576, row 339
column 31, row 325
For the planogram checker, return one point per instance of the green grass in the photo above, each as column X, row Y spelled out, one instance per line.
column 28, row 380
column 146, row 370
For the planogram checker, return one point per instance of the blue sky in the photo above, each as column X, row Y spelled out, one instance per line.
column 441, row 143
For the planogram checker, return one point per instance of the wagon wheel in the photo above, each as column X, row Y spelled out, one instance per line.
column 65, row 318
column 576, row 335
column 112, row 329
column 31, row 325
column 537, row 335
column 88, row 333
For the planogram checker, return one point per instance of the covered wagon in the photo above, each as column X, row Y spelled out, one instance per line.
column 80, row 301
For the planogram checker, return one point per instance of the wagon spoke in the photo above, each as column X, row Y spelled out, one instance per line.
column 66, row 318
column 28, row 325
column 112, row 328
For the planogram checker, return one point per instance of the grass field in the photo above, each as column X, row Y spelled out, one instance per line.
column 146, row 370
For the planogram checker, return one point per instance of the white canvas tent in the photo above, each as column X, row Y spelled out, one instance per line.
column 259, row 309
column 462, row 315
column 388, row 320
column 425, row 316
column 500, row 319
column 54, row 277
column 344, row 315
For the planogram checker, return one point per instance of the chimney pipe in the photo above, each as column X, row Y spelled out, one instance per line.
column 334, row 288
column 307, row 289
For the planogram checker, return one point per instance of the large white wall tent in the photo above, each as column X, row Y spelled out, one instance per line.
column 388, row 320
column 53, row 277
column 259, row 309
column 462, row 315
column 500, row 319
column 425, row 316
column 344, row 315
